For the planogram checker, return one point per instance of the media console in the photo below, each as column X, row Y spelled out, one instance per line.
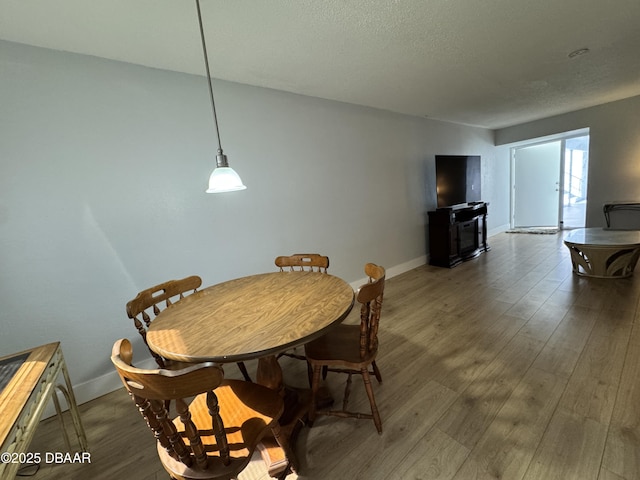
column 457, row 233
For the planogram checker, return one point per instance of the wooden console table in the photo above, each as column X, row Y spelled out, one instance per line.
column 596, row 252
column 28, row 382
column 457, row 234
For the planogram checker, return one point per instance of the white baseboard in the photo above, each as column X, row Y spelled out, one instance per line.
column 94, row 388
column 395, row 270
column 497, row 230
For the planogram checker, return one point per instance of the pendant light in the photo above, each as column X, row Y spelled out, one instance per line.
column 224, row 178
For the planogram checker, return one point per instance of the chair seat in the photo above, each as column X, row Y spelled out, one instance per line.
column 238, row 401
column 339, row 347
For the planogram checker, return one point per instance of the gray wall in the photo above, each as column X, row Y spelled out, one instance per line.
column 103, row 172
column 614, row 151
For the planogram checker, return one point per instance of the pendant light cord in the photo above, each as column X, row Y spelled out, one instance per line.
column 206, row 63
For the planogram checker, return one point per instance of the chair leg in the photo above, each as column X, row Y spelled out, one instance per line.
column 244, row 371
column 315, row 384
column 283, row 441
column 310, row 374
column 347, row 392
column 374, row 409
column 285, row 472
column 376, row 371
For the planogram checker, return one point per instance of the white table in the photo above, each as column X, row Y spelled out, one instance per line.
column 597, row 252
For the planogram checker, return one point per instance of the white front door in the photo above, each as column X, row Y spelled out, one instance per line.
column 536, row 199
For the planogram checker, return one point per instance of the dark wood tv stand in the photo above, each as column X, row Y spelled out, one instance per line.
column 457, row 233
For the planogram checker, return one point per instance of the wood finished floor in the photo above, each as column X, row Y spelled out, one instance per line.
column 505, row 367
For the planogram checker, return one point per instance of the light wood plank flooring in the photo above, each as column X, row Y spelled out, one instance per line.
column 505, row 367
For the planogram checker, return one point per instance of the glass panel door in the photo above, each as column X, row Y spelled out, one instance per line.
column 574, row 188
column 537, row 185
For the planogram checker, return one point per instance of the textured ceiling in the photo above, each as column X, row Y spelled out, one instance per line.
column 490, row 63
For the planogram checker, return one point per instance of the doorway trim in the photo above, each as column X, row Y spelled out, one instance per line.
column 539, row 141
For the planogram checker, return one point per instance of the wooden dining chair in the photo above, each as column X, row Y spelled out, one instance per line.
column 352, row 349
column 150, row 302
column 216, row 433
column 301, row 262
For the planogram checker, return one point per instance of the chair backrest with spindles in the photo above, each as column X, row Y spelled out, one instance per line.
column 150, row 302
column 312, row 262
column 150, row 390
column 370, row 297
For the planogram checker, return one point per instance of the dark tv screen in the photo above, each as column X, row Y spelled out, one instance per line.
column 457, row 179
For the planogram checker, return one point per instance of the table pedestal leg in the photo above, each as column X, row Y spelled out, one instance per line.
column 279, row 453
column 269, row 373
column 604, row 261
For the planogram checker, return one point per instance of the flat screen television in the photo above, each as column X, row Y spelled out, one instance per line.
column 457, row 179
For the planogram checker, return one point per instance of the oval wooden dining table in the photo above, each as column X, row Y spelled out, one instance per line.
column 257, row 316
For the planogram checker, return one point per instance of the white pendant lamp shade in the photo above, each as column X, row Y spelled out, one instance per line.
column 224, row 179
